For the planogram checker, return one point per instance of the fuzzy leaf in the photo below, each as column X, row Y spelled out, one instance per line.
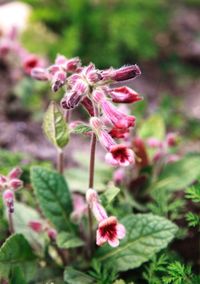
column 16, row 251
column 110, row 193
column 72, row 276
column 81, row 129
column 55, row 127
column 53, row 195
column 180, row 174
column 146, row 235
column 152, row 127
column 67, row 240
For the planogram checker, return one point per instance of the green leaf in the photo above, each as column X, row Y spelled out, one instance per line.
column 17, row 276
column 67, row 240
column 146, row 235
column 53, row 195
column 81, row 129
column 152, row 127
column 111, row 192
column 55, row 127
column 23, row 215
column 72, row 276
column 16, row 251
column 180, row 174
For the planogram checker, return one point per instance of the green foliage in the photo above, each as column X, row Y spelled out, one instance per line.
column 53, row 196
column 178, row 274
column 193, row 193
column 15, row 252
column 152, row 127
column 81, row 129
column 146, row 234
column 193, row 219
column 117, row 29
column 72, row 276
column 55, row 126
column 16, row 276
column 110, row 193
column 67, row 241
column 179, row 175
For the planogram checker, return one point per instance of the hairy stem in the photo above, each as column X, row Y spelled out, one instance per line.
column 60, row 161
column 10, row 221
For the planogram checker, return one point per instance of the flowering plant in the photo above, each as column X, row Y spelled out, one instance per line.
column 98, row 236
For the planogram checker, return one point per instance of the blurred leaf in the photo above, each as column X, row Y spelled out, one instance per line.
column 67, row 241
column 23, row 215
column 72, row 276
column 53, row 196
column 179, row 175
column 152, row 127
column 110, row 193
column 17, row 276
column 146, row 234
column 55, row 126
column 16, row 251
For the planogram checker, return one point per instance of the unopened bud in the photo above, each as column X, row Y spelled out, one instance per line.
column 15, row 184
column 52, row 234
column 8, row 198
column 15, row 173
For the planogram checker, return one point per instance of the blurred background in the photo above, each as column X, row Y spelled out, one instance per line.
column 162, row 37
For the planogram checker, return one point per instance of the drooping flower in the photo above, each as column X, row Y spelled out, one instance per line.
column 122, row 74
column 120, row 155
column 8, row 198
column 172, row 139
column 109, row 230
column 124, row 95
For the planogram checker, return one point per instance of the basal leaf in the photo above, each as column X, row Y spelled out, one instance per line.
column 72, row 276
column 68, row 240
column 53, row 195
column 16, row 251
column 179, row 175
column 152, row 127
column 55, row 127
column 146, row 235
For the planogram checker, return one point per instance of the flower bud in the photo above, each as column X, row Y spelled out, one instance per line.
column 8, row 198
column 39, row 74
column 172, row 139
column 15, row 184
column 52, row 234
column 3, row 181
column 118, row 176
column 15, row 173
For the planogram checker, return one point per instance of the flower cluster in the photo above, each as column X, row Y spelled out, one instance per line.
column 90, row 87
column 8, row 185
column 40, row 227
column 162, row 148
column 109, row 229
column 12, row 51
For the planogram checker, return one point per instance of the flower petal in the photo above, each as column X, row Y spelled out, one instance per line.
column 100, row 240
column 121, row 231
column 114, row 242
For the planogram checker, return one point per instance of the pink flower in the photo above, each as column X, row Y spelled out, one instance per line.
column 154, row 143
column 15, row 173
column 91, row 74
column 171, row 139
column 79, row 207
column 15, row 184
column 120, row 155
column 119, row 132
column 52, row 234
column 40, row 74
column 31, row 61
column 121, row 74
column 124, row 95
column 87, row 103
column 8, row 198
column 58, row 80
column 119, row 176
column 95, row 205
column 36, row 226
column 109, row 230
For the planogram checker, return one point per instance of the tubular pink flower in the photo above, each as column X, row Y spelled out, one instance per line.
column 8, row 198
column 95, row 205
column 79, row 207
column 71, row 100
column 121, row 74
column 31, row 61
column 52, row 234
column 15, row 184
column 118, row 176
column 171, row 139
column 3, row 182
column 124, row 95
column 109, row 230
column 40, row 74
column 91, row 74
column 58, row 80
column 87, row 103
column 154, row 143
column 120, row 155
column 15, row 173
column 119, row 132
column 36, row 226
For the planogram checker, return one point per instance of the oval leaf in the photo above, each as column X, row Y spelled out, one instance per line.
column 55, row 127
column 53, row 195
column 152, row 127
column 67, row 240
column 146, row 235
column 72, row 276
